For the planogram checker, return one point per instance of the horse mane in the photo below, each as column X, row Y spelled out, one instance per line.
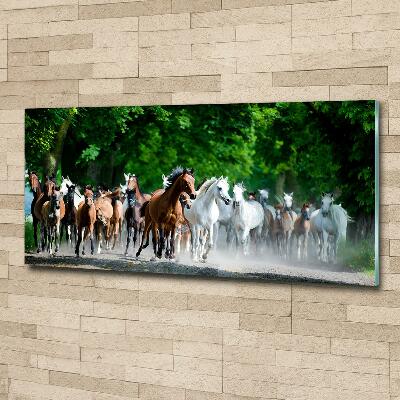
column 241, row 186
column 175, row 174
column 340, row 218
column 206, row 185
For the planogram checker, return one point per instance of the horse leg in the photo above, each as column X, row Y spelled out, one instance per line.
column 78, row 243
column 145, row 235
column 57, row 237
column 172, row 244
column 325, row 240
column 91, row 239
column 161, row 242
column 99, row 237
column 154, row 234
column 85, row 237
column 128, row 237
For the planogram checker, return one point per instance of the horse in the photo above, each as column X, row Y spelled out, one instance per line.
column 302, row 229
column 132, row 183
column 269, row 215
column 204, row 213
column 329, row 227
column 36, row 189
column 69, row 220
column 164, row 211
column 77, row 196
column 86, row 218
column 104, row 213
column 182, row 233
column 130, row 218
column 49, row 186
column 247, row 215
column 117, row 216
column 278, row 231
column 288, row 217
column 53, row 212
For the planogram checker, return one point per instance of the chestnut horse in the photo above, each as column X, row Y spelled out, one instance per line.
column 36, row 189
column 302, row 229
column 86, row 218
column 104, row 213
column 163, row 213
column 53, row 212
column 117, row 215
column 37, row 210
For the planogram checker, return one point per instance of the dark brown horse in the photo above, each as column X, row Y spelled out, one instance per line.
column 69, row 221
column 53, row 212
column 164, row 211
column 86, row 218
column 36, row 189
column 37, row 210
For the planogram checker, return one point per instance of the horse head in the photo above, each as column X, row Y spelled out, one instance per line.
column 185, row 201
column 223, row 189
column 55, row 200
column 88, row 194
column 288, row 200
column 278, row 212
column 264, row 195
column 130, row 193
column 187, row 183
column 49, row 186
column 238, row 191
column 34, row 182
column 305, row 211
column 326, row 203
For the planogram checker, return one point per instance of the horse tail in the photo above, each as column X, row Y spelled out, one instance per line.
column 143, row 208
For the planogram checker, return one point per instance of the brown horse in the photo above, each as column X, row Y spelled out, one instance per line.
column 69, row 220
column 164, row 211
column 86, row 218
column 117, row 215
column 131, row 210
column 104, row 213
column 282, row 230
column 302, row 229
column 36, row 189
column 37, row 210
column 53, row 212
column 182, row 233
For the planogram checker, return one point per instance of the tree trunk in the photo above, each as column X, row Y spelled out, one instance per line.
column 280, row 182
column 53, row 159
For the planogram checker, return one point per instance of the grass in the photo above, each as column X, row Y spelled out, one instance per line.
column 29, row 242
column 358, row 256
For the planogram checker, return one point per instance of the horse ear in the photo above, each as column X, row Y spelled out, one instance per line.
column 291, row 194
column 323, row 194
column 126, row 176
column 331, row 194
column 284, row 194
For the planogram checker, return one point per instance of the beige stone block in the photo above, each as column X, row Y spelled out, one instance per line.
column 31, row 58
column 42, row 73
column 350, row 76
column 359, row 92
column 395, row 247
column 58, row 364
column 102, row 325
column 342, row 59
column 164, row 331
column 235, row 304
column 332, row 362
column 394, row 73
column 119, row 311
column 50, row 304
column 245, row 387
column 98, row 55
column 254, row 372
column 116, row 281
column 195, row 98
column 173, row 84
column 244, row 16
column 150, row 392
column 12, row 116
column 46, row 43
column 376, row 40
column 265, row 323
column 323, row 9
column 233, row 82
column 100, row 86
column 187, row 67
column 115, row 39
column 57, row 100
column 103, row 371
column 112, row 387
column 165, row 53
column 190, row 317
column 125, row 99
column 359, row 348
column 198, row 365
column 249, row 355
column 22, row 4
column 42, row 14
column 264, row 63
column 389, row 144
column 163, row 300
column 196, row 349
column 126, row 343
column 3, row 271
column 40, row 87
column 190, row 380
column 347, row 330
column 195, row 5
column 394, row 126
column 319, row 44
column 14, row 357
column 28, row 374
column 245, row 33
column 319, row 311
column 164, row 22
column 124, row 9
column 199, row 35
column 145, row 360
column 374, row 7
column 64, row 335
column 115, row 70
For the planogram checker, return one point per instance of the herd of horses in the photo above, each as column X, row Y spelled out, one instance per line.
column 182, row 218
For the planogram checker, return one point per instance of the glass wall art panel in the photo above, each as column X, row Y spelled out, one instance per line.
column 275, row 191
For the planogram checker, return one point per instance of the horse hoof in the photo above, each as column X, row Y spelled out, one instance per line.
column 83, row 253
column 153, row 258
column 91, row 252
column 37, row 250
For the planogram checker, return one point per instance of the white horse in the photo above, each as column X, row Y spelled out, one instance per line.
column 330, row 221
column 246, row 216
column 204, row 213
column 65, row 184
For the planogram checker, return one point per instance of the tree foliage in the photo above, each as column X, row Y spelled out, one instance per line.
column 302, row 147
